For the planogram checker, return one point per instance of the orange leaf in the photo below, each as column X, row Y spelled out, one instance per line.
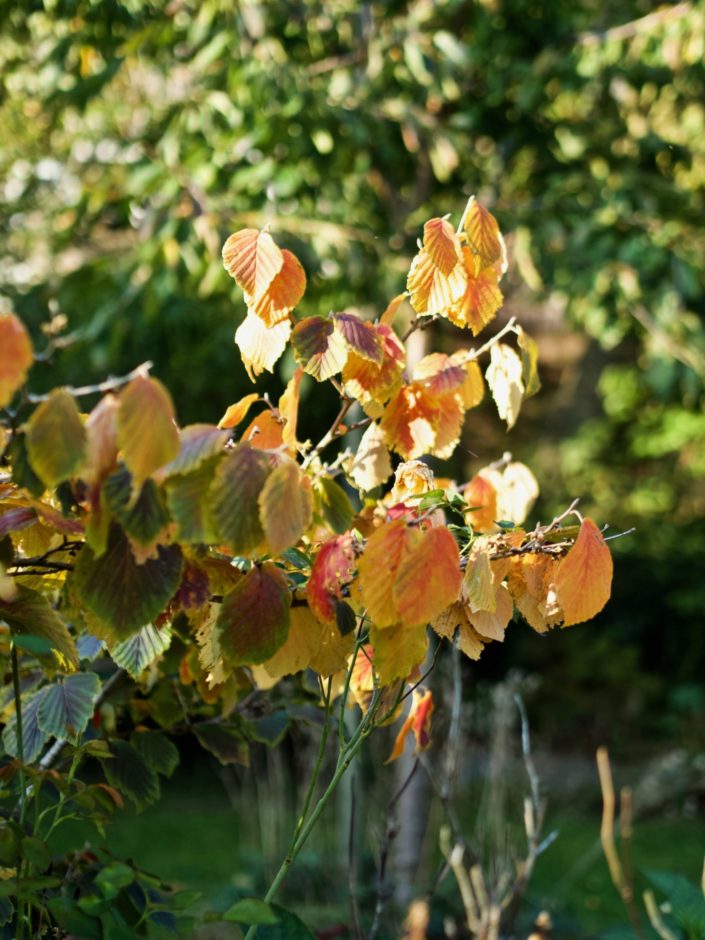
column 480, row 300
column 431, row 291
column 238, row 412
column 332, row 570
column 265, row 432
column 369, row 382
column 441, row 244
column 16, row 356
column 428, row 577
column 418, row 722
column 481, row 496
column 455, row 618
column 390, row 313
column 378, row 570
column 289, row 409
column 253, row 259
column 319, row 348
column 285, row 506
column 261, row 346
column 584, row 577
column 361, row 337
column 282, row 294
column 484, row 238
column 408, row 422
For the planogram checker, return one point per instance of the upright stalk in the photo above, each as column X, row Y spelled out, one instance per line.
column 19, row 731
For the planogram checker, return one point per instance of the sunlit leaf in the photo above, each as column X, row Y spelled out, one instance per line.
column 484, row 238
column 261, row 346
column 285, row 506
column 504, row 377
column 428, row 576
column 253, row 259
column 437, row 277
column 584, row 577
column 480, row 300
column 236, row 487
column 319, row 348
column 198, row 443
column 283, row 293
column 369, row 382
column 473, row 389
column 418, row 723
column 332, row 570
column 378, row 568
column 16, row 356
column 289, row 409
column 140, row 650
column 102, row 445
column 371, row 466
column 481, row 496
column 56, row 438
column 147, row 431
column 238, row 412
column 361, row 337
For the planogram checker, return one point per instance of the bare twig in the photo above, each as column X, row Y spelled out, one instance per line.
column 655, row 918
column 109, row 385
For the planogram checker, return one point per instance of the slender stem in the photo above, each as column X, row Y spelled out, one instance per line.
column 108, row 385
column 317, row 766
column 19, row 731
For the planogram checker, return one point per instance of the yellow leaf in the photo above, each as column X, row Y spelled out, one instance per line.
column 285, row 506
column 504, row 377
column 282, row 294
column 261, row 346
column 371, row 466
column 478, row 583
column 302, row 644
column 146, row 429
column 16, row 356
column 333, row 652
column 516, row 493
column 455, row 618
column 473, row 388
column 378, row 570
column 289, row 409
column 411, row 478
column 584, row 577
column 398, row 651
column 56, row 438
column 387, row 318
column 428, row 577
column 253, row 259
column 491, row 624
column 238, row 412
column 481, row 299
column 484, row 238
column 529, row 362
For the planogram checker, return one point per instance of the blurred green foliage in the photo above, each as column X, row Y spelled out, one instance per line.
column 137, row 135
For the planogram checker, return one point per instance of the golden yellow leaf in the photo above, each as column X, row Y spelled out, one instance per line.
column 302, row 644
column 473, row 388
column 146, row 428
column 478, row 582
column 504, row 377
column 238, row 412
column 491, row 624
column 289, row 409
column 377, row 570
column 333, row 652
column 428, row 576
column 398, row 650
column 455, row 618
column 584, row 577
column 484, row 238
column 253, row 259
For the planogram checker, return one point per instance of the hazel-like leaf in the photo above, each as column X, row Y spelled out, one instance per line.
column 233, row 496
column 584, row 577
column 16, row 356
column 56, row 438
column 254, row 618
column 146, row 428
column 319, row 348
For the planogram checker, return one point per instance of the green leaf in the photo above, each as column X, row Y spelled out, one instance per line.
column 236, row 486
column 251, row 911
column 31, row 615
column 22, row 473
column 270, row 729
column 146, row 430
column 113, row 878
column 188, row 500
column 67, row 706
column 198, row 444
column 686, row 899
column 159, row 752
column 135, row 654
column 336, row 507
column 223, row 742
column 529, row 363
column 254, row 617
column 123, row 595
column 33, row 738
column 38, row 645
column 56, row 438
column 35, row 852
column 146, row 517
column 7, row 911
column 290, row 927
column 72, row 920
column 131, row 775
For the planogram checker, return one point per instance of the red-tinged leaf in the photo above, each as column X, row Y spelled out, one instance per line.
column 56, row 439
column 484, row 239
column 332, row 571
column 238, row 412
column 265, row 432
column 370, row 383
column 418, row 723
column 408, row 422
column 282, row 294
column 398, row 651
column 16, row 356
column 261, row 346
column 198, row 444
column 527, row 582
column 441, row 244
column 147, row 433
column 16, row 519
column 233, row 496
column 102, row 445
column 480, row 300
column 456, row 618
column 361, row 337
column 481, row 496
column 253, row 259
column 428, row 576
column 378, row 569
column 253, row 622
column 319, row 348
column 584, row 577
column 440, row 373
column 285, row 506
column 52, row 517
column 289, row 409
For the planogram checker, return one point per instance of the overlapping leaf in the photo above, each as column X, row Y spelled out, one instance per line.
column 146, row 428
column 332, row 571
column 56, row 438
column 285, row 506
column 583, row 579
column 16, row 356
column 234, row 492
column 253, row 622
column 320, row 349
column 261, row 346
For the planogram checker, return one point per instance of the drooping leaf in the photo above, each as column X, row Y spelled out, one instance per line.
column 481, row 497
column 140, row 650
column 16, row 356
column 157, row 750
column 302, row 643
column 398, row 651
column 584, row 577
column 319, row 348
column 198, row 444
column 252, row 259
column 484, row 238
column 283, row 293
column 187, row 497
column 478, row 582
column 529, row 362
column 372, row 384
column 455, row 618
column 285, row 506
column 335, row 505
column 237, row 412
column 123, row 595
column 131, row 775
column 56, row 438
column 253, row 622
column 101, row 439
column 332, row 571
column 33, row 738
column 289, row 409
column 67, row 705
column 491, row 624
column 31, row 613
column 265, row 431
column 428, row 576
column 418, row 723
column 225, row 743
column 16, row 519
column 504, row 377
column 377, row 570
column 234, row 492
column 361, row 337
column 145, row 518
column 371, row 466
column 261, row 346
column 473, row 389
column 147, row 433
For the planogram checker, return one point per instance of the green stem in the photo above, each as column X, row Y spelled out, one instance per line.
column 19, row 732
column 317, row 766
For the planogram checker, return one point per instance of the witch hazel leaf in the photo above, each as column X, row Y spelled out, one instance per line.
column 285, row 506
column 480, row 300
column 282, row 294
column 484, row 237
column 16, row 356
column 238, row 412
column 455, row 618
column 428, row 577
column 378, row 568
column 289, row 409
column 67, row 705
column 418, row 723
column 254, row 617
column 371, row 466
column 198, row 443
column 361, row 337
column 437, row 276
column 504, row 377
column 140, row 650
column 146, row 428
column 332, row 571
column 319, row 348
column 261, row 346
column 371, row 383
column 56, row 438
column 583, row 580
column 233, row 496
column 252, row 259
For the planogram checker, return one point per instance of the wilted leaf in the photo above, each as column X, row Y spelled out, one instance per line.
column 123, row 595
column 319, row 348
column 67, row 705
column 253, row 622
column 16, row 356
column 147, row 433
column 584, row 577
column 236, row 487
column 504, row 377
column 418, row 722
column 140, row 650
column 56, row 438
column 285, row 506
column 456, row 618
column 261, row 346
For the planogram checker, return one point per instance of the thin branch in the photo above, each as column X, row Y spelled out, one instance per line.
column 509, row 327
column 655, row 918
column 352, row 867
column 108, row 385
column 634, row 27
